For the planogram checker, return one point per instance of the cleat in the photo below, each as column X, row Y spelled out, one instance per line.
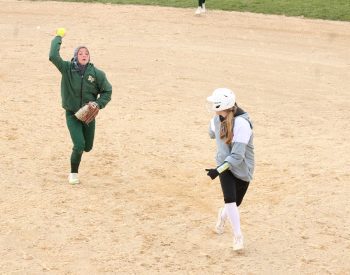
column 73, row 178
column 238, row 243
column 198, row 11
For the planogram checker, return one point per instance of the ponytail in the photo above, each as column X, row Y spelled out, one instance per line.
column 226, row 126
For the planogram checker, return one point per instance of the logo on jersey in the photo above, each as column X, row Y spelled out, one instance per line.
column 91, row 79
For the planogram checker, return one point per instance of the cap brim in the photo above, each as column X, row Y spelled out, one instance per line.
column 210, row 99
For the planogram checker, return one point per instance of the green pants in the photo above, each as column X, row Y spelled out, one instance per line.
column 82, row 137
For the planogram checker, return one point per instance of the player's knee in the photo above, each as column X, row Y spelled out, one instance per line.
column 88, row 148
column 79, row 148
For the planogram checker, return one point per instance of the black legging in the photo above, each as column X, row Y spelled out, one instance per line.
column 200, row 2
column 233, row 188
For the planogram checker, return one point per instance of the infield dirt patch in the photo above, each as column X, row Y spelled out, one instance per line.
column 145, row 204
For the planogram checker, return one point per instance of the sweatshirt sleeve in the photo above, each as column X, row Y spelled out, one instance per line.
column 105, row 90
column 241, row 137
column 211, row 129
column 54, row 55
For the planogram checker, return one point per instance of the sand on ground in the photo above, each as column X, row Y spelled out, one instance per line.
column 145, row 204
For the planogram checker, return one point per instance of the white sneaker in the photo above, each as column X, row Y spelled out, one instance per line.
column 73, row 178
column 219, row 227
column 198, row 11
column 238, row 243
column 203, row 8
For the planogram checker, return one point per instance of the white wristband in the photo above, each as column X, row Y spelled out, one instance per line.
column 223, row 167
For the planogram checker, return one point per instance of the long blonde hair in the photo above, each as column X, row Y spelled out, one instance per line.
column 226, row 126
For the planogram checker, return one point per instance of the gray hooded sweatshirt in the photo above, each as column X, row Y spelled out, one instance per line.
column 240, row 152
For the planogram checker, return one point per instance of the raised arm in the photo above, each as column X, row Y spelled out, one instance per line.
column 54, row 55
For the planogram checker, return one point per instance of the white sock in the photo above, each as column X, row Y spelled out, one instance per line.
column 224, row 213
column 232, row 212
column 73, row 175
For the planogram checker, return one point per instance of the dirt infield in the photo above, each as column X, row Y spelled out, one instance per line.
column 145, row 204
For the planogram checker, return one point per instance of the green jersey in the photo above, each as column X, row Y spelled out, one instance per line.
column 78, row 89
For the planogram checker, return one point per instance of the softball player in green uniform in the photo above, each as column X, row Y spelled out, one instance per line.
column 81, row 83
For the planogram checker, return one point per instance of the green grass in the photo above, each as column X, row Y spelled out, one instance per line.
column 322, row 9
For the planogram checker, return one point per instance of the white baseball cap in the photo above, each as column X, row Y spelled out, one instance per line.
column 222, row 99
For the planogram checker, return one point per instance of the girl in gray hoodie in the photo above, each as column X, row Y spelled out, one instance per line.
column 233, row 131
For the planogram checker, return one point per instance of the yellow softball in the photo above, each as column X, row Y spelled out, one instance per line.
column 61, row 32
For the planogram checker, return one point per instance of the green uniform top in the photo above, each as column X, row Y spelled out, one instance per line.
column 77, row 89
